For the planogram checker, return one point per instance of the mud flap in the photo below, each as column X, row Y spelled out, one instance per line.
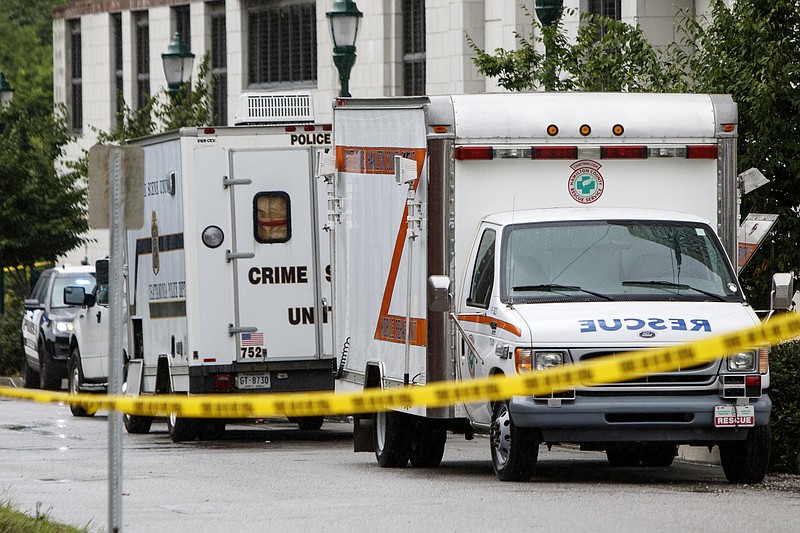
column 362, row 433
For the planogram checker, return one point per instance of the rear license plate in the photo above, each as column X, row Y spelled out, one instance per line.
column 255, row 380
column 734, row 416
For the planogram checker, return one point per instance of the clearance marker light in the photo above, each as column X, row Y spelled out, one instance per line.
column 585, row 130
column 440, row 129
column 617, row 130
column 729, row 128
column 704, row 151
column 552, row 130
column 473, row 153
column 555, row 152
column 623, row 152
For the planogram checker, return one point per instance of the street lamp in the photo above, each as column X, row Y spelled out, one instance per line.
column 343, row 18
column 178, row 61
column 6, row 92
column 548, row 11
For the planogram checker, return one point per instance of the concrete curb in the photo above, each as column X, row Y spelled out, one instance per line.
column 13, row 381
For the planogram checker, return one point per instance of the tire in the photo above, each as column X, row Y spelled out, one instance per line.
column 392, row 445
column 134, row 424
column 747, row 461
column 210, row 429
column 47, row 380
column 181, row 429
column 427, row 446
column 659, row 455
column 514, row 449
column 75, row 380
column 30, row 377
column 624, row 455
column 311, row 423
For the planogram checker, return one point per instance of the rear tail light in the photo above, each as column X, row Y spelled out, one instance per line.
column 704, row 151
column 473, row 153
column 223, row 383
column 555, row 152
column 623, row 152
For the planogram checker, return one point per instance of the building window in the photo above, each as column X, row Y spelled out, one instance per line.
column 142, row 61
column 219, row 63
column 75, row 88
column 116, row 42
column 272, row 218
column 180, row 15
column 605, row 8
column 282, row 43
column 413, row 47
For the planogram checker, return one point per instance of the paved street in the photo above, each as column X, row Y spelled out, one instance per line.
column 272, row 477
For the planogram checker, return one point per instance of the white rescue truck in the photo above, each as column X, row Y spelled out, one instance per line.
column 228, row 281
column 536, row 230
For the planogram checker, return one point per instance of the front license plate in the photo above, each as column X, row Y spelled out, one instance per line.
column 256, row 380
column 734, row 416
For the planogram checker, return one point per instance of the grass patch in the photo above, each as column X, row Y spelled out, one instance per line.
column 13, row 521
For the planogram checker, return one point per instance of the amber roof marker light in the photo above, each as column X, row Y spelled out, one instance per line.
column 552, row 130
column 617, row 130
column 585, row 130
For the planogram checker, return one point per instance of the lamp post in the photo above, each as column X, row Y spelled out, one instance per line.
column 6, row 92
column 178, row 61
column 548, row 12
column 343, row 19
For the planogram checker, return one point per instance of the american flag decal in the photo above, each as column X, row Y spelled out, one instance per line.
column 252, row 339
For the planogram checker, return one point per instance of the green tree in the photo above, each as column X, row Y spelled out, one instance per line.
column 751, row 52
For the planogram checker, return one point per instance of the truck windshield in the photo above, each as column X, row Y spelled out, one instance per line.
column 614, row 260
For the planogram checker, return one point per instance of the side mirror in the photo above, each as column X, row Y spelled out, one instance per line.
column 78, row 296
column 31, row 304
column 782, row 291
column 438, row 294
column 101, row 271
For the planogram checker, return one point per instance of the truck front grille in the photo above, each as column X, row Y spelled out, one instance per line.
column 696, row 376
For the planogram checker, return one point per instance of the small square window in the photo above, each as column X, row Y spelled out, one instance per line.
column 272, row 217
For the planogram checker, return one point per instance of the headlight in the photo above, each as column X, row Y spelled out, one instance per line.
column 548, row 359
column 62, row 327
column 742, row 362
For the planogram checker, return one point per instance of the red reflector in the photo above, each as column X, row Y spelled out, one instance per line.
column 327, row 127
column 209, row 131
column 290, row 128
column 555, row 152
column 752, row 381
column 309, row 128
column 702, row 151
column 623, row 152
column 223, row 383
column 469, row 153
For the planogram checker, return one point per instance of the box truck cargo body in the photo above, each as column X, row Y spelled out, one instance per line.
column 556, row 228
column 229, row 282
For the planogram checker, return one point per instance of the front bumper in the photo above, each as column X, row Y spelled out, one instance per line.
column 625, row 418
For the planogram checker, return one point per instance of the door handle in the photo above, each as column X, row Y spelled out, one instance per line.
column 99, row 314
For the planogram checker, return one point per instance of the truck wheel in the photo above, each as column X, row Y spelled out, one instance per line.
column 181, row 429
column 210, row 429
column 392, row 446
column 135, row 424
column 660, row 455
column 75, row 380
column 30, row 377
column 514, row 449
column 311, row 423
column 746, row 461
column 624, row 455
column 47, row 380
column 427, row 446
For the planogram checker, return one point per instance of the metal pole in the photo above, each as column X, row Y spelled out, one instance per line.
column 117, row 216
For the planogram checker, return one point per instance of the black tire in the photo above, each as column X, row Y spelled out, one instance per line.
column 390, row 436
column 311, row 423
column 30, row 377
column 181, row 429
column 659, row 455
column 427, row 446
column 134, row 424
column 210, row 429
column 514, row 449
column 75, row 380
column 747, row 461
column 624, row 455
column 47, row 380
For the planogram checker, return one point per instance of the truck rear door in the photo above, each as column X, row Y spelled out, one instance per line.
column 281, row 291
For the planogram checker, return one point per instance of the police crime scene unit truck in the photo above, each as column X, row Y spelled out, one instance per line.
column 539, row 230
column 228, row 282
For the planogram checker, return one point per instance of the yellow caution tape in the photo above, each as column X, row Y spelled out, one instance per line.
column 612, row 369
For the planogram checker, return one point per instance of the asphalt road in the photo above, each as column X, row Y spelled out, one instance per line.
column 273, row 477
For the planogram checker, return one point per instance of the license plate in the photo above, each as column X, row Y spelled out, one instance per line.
column 734, row 416
column 255, row 380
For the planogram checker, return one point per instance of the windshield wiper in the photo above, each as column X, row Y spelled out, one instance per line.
column 672, row 285
column 554, row 287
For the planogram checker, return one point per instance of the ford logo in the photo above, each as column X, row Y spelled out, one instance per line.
column 647, row 334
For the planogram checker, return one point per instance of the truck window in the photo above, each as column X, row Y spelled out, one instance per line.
column 272, row 217
column 483, row 274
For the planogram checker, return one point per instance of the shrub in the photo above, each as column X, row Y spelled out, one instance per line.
column 785, row 420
